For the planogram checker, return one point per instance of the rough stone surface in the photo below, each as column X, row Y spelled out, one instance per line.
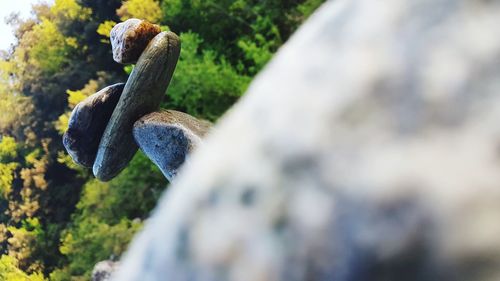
column 142, row 94
column 130, row 38
column 102, row 270
column 167, row 137
column 87, row 123
column 368, row 149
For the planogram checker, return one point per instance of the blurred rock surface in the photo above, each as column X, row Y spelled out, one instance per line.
column 368, row 149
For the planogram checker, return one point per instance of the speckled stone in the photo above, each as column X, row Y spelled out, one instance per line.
column 103, row 270
column 367, row 149
column 143, row 93
column 167, row 137
column 87, row 123
column 130, row 38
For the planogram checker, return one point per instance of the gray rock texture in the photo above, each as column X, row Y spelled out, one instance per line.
column 367, row 149
column 167, row 137
column 87, row 123
column 142, row 94
column 102, row 270
column 130, row 38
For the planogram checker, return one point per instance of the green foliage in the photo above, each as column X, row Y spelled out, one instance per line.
column 9, row 271
column 69, row 10
column 49, row 49
column 204, row 85
column 6, row 177
column 22, row 241
column 104, row 28
column 14, row 108
column 8, row 149
column 8, row 153
column 143, row 9
column 141, row 183
column 245, row 31
column 93, row 240
column 62, row 274
column 308, row 7
column 109, row 214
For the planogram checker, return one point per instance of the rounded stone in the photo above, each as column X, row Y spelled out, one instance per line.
column 130, row 38
column 88, row 122
column 167, row 137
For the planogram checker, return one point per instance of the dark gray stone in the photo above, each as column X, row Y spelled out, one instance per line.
column 130, row 38
column 367, row 149
column 142, row 94
column 167, row 137
column 87, row 123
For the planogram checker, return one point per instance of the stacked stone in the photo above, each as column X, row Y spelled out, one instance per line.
column 101, row 128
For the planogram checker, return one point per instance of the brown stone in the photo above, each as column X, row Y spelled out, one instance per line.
column 130, row 38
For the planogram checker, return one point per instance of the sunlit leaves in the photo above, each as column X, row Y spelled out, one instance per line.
column 13, row 106
column 106, row 218
column 62, row 123
column 104, row 28
column 142, row 9
column 204, row 85
column 92, row 240
column 49, row 49
column 8, row 153
column 75, row 97
column 10, row 271
column 8, row 148
column 20, row 246
column 69, row 10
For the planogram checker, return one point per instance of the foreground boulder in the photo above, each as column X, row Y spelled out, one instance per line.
column 368, row 149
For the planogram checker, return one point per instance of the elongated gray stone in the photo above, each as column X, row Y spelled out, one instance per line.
column 367, row 149
column 88, row 122
column 130, row 38
column 142, row 94
column 167, row 137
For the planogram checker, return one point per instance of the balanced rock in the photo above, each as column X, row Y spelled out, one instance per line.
column 130, row 38
column 87, row 123
column 167, row 137
column 142, row 94
column 367, row 149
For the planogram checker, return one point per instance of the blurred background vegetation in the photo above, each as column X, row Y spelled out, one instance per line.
column 56, row 221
